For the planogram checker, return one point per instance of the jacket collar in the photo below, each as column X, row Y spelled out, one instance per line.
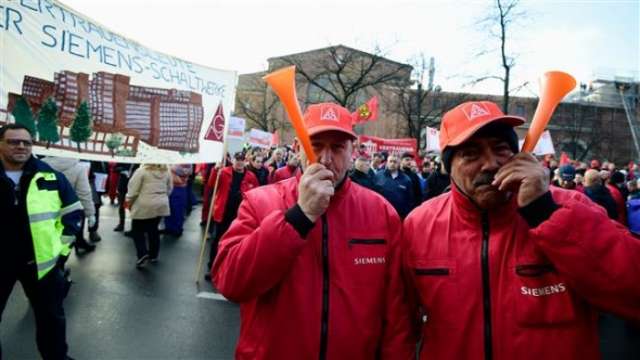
column 467, row 210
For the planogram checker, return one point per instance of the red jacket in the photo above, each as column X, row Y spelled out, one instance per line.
column 534, row 294
column 224, row 186
column 621, row 204
column 284, row 173
column 279, row 278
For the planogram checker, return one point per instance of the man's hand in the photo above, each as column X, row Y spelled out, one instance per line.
column 525, row 175
column 315, row 190
column 91, row 221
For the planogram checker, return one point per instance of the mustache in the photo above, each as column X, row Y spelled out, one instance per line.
column 485, row 178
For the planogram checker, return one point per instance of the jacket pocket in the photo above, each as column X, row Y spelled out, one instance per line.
column 47, row 184
column 436, row 282
column 543, row 297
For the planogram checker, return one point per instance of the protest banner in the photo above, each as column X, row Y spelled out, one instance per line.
column 374, row 144
column 98, row 95
column 260, row 138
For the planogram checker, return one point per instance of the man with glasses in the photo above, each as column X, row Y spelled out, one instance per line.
column 40, row 217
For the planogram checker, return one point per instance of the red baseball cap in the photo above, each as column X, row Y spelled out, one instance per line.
column 326, row 117
column 461, row 122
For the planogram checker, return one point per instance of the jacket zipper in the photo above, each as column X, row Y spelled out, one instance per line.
column 486, row 289
column 324, row 322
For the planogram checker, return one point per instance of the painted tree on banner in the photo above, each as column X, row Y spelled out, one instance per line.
column 23, row 115
column 48, row 123
column 81, row 127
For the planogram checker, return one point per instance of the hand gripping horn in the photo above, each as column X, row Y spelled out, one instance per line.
column 554, row 85
column 283, row 83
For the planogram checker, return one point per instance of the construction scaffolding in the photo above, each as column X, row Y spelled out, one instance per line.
column 620, row 92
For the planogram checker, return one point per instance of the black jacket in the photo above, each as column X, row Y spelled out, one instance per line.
column 398, row 191
column 364, row 179
column 601, row 196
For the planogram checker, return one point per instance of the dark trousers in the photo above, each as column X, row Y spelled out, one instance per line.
column 94, row 228
column 46, row 296
column 143, row 228
column 121, row 199
column 217, row 230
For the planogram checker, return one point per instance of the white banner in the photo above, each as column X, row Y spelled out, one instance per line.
column 432, row 140
column 544, row 145
column 260, row 138
column 97, row 95
column 236, row 127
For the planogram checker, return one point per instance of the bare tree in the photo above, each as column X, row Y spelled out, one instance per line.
column 257, row 103
column 502, row 15
column 344, row 75
column 421, row 107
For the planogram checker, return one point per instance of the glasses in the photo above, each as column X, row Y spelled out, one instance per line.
column 17, row 142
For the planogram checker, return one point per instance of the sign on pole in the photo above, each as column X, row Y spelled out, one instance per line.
column 432, row 139
column 544, row 145
column 260, row 138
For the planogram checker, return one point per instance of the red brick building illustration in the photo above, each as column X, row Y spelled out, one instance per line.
column 166, row 118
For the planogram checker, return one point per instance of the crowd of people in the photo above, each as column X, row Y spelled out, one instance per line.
column 479, row 250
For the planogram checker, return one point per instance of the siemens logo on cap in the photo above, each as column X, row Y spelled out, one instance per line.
column 544, row 291
column 369, row 260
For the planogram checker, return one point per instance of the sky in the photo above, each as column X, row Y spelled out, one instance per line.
column 588, row 39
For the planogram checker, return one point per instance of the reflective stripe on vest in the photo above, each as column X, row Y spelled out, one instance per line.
column 44, row 209
column 43, row 216
column 47, row 264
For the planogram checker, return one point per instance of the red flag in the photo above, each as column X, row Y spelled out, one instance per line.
column 215, row 132
column 366, row 112
column 275, row 139
column 564, row 159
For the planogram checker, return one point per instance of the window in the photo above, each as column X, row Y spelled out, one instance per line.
column 520, row 110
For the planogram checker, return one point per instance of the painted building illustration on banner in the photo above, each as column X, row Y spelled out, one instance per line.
column 168, row 119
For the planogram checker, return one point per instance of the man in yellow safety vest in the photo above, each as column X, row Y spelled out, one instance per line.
column 39, row 217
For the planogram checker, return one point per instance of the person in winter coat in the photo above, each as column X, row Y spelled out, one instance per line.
column 438, row 182
column 173, row 224
column 148, row 200
column 314, row 261
column 396, row 187
column 506, row 267
column 235, row 181
column 362, row 173
column 78, row 176
column 598, row 193
column 290, row 170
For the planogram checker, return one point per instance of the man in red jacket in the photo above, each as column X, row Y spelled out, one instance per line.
column 505, row 267
column 290, row 170
column 315, row 261
column 234, row 181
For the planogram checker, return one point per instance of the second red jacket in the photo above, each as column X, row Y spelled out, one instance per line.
column 249, row 182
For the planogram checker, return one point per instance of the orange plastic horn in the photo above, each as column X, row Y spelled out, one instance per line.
column 554, row 85
column 283, row 83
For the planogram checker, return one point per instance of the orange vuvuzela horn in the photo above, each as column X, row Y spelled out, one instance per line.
column 283, row 83
column 554, row 85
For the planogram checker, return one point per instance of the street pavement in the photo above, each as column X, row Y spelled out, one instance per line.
column 115, row 311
